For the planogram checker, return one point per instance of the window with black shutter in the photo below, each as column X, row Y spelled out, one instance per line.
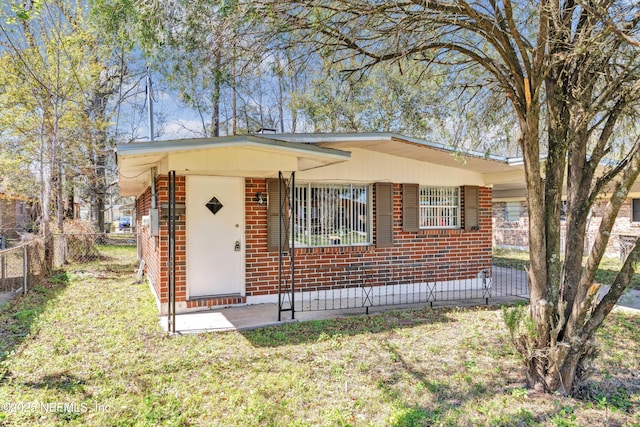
column 277, row 223
column 384, row 214
column 410, row 207
column 471, row 208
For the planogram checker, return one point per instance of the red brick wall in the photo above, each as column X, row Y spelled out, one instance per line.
column 154, row 249
column 454, row 254
column 14, row 215
column 147, row 246
column 180, row 237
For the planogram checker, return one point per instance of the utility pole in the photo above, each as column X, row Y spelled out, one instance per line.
column 150, row 103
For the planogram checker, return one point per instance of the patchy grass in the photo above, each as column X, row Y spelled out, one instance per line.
column 92, row 353
column 609, row 267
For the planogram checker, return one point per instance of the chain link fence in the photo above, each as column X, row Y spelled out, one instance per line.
column 20, row 267
column 86, row 248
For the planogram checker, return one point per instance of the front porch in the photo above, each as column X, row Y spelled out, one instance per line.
column 248, row 317
column 361, row 294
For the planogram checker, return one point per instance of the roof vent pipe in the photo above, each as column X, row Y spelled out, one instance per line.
column 263, row 131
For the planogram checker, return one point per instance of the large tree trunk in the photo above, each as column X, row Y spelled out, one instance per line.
column 100, row 187
column 45, row 195
column 59, row 195
column 564, row 305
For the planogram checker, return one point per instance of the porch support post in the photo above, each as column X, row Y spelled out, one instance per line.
column 286, row 205
column 280, row 246
column 292, row 244
column 171, row 262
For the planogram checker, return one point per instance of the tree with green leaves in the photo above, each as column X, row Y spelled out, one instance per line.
column 570, row 72
column 42, row 97
column 58, row 79
column 199, row 48
column 385, row 99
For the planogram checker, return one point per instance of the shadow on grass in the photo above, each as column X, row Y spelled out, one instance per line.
column 513, row 263
column 309, row 331
column 63, row 381
column 110, row 261
column 608, row 395
column 489, row 402
column 18, row 315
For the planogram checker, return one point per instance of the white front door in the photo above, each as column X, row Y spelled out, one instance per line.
column 215, row 236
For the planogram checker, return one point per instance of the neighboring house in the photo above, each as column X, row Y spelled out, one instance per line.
column 15, row 216
column 510, row 224
column 511, row 219
column 358, row 199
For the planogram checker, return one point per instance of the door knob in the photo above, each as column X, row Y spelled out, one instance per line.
column 236, row 246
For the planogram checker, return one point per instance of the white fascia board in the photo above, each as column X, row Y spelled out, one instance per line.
column 319, row 138
column 171, row 146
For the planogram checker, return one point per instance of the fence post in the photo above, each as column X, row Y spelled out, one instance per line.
column 3, row 267
column 25, row 269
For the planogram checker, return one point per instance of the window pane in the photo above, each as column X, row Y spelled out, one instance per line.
column 332, row 214
column 512, row 211
column 302, row 216
column 439, row 207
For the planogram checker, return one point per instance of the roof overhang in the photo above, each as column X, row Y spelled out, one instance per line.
column 243, row 156
column 402, row 146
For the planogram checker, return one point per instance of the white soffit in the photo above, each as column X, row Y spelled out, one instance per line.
column 427, row 154
column 401, row 146
column 136, row 159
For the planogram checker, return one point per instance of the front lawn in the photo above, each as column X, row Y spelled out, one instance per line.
column 88, row 349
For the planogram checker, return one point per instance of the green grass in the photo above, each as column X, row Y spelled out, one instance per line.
column 91, row 352
column 607, row 271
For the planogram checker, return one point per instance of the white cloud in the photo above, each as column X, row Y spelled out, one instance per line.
column 181, row 128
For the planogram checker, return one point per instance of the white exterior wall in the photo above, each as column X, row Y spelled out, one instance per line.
column 370, row 166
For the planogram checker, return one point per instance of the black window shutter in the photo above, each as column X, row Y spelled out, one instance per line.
column 410, row 207
column 384, row 214
column 273, row 216
column 471, row 208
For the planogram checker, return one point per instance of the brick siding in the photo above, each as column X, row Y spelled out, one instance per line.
column 449, row 249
